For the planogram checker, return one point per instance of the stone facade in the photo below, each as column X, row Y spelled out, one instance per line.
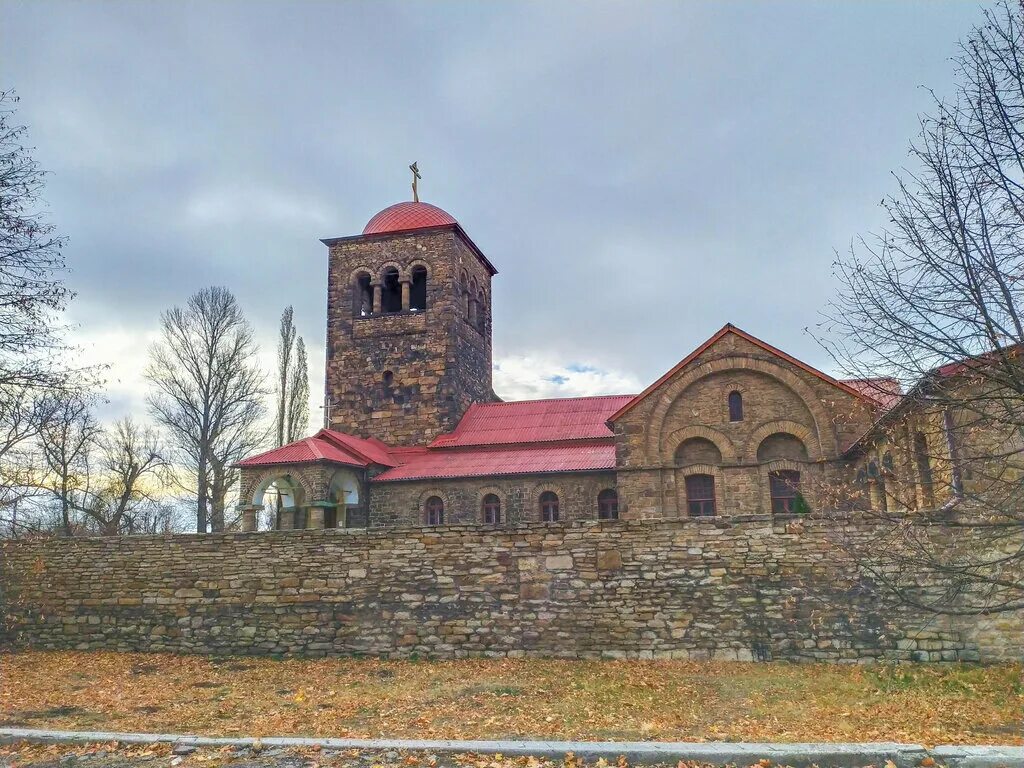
column 683, row 427
column 402, row 504
column 744, row 587
column 400, row 373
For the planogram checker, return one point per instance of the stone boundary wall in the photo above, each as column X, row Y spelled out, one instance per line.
column 742, row 588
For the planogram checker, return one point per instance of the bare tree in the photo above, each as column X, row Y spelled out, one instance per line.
column 207, row 390
column 104, row 481
column 125, row 486
column 32, row 295
column 22, row 412
column 292, row 417
column 935, row 302
column 298, row 395
column 285, row 364
column 32, row 292
column 68, row 439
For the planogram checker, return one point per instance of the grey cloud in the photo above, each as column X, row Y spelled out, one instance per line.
column 640, row 174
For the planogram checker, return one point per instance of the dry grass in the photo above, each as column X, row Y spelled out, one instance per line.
column 476, row 699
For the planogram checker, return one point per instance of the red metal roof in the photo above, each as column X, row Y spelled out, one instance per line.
column 326, row 445
column 482, row 462
column 408, row 215
column 534, row 421
column 886, row 391
column 373, row 450
column 305, row 451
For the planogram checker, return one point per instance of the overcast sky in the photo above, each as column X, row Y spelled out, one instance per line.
column 639, row 173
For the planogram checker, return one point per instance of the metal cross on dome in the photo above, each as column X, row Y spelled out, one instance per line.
column 415, row 177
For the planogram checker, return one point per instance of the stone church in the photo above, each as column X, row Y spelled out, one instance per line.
column 416, row 435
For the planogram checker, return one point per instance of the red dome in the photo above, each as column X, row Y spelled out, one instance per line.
column 409, row 215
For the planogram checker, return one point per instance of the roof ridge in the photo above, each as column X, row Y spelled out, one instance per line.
column 553, row 399
column 311, row 441
column 526, row 444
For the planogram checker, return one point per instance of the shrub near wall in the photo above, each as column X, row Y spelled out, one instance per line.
column 743, row 589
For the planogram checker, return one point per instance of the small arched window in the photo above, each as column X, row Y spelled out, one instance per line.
column 700, row 495
column 784, row 485
column 435, row 511
column 390, row 291
column 418, row 289
column 549, row 507
column 608, row 504
column 491, row 508
column 735, row 406
column 362, row 295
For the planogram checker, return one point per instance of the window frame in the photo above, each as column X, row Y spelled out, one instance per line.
column 418, row 288
column 735, row 403
column 488, row 507
column 390, row 291
column 787, row 480
column 433, row 514
column 608, row 504
column 550, row 507
column 703, row 502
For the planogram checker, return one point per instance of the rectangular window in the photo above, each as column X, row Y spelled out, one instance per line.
column 785, row 490
column 700, row 495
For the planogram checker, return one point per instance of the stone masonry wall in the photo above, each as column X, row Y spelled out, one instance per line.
column 403, row 503
column 742, row 588
column 406, row 377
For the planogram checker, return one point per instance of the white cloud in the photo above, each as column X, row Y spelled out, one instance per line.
column 530, row 377
column 231, row 205
column 124, row 352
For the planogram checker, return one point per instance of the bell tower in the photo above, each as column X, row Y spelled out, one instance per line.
column 408, row 326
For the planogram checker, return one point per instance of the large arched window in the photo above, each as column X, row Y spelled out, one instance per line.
column 434, row 509
column 608, row 504
column 697, row 450
column 549, row 507
column 700, row 495
column 781, row 445
column 784, row 485
column 418, row 289
column 362, row 295
column 390, row 291
column 735, row 406
column 491, row 509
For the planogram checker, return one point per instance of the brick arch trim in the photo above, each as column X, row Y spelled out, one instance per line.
column 534, row 500
column 782, row 464
column 421, row 505
column 385, row 267
column 806, row 435
column 486, row 490
column 359, row 270
column 677, row 388
column 418, row 263
column 721, row 440
column 255, row 481
column 698, row 469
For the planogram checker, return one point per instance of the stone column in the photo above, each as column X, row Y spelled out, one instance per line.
column 249, row 513
column 376, row 298
column 315, row 518
column 406, row 288
column 287, row 518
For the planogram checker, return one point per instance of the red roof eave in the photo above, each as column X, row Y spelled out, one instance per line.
column 456, row 227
